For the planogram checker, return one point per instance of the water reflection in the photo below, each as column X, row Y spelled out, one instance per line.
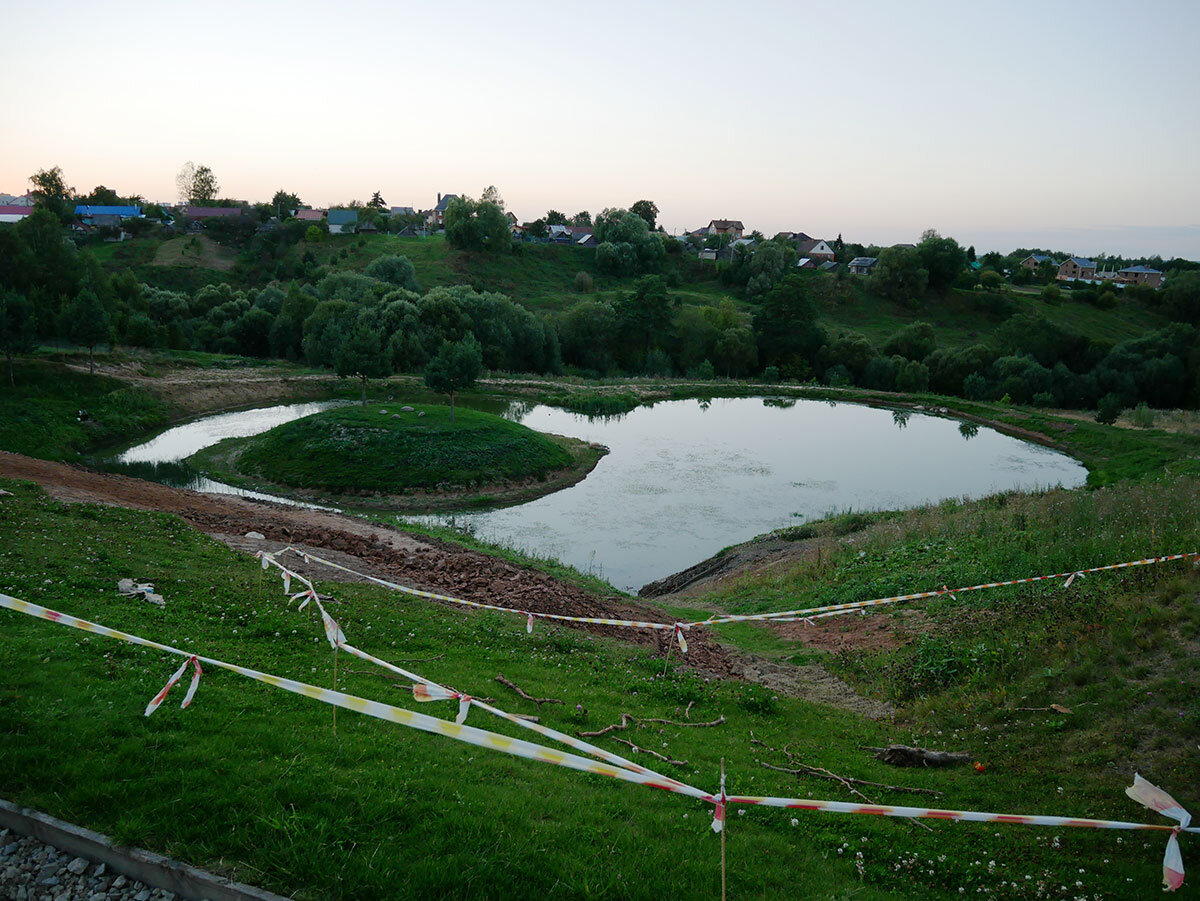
column 684, row 479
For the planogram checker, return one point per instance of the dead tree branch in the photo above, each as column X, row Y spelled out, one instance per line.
column 628, row 719
column 661, row 757
column 528, row 697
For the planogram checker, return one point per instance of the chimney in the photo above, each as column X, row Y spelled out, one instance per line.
column 439, row 196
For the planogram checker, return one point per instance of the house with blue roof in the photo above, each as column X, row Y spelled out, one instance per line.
column 342, row 222
column 1035, row 260
column 87, row 211
column 1140, row 275
column 1073, row 268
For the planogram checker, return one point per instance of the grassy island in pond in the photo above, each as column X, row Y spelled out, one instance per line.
column 414, row 459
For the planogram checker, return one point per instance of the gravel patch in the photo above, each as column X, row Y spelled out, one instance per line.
column 31, row 870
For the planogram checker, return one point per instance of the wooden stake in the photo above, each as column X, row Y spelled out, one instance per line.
column 724, row 826
column 335, row 652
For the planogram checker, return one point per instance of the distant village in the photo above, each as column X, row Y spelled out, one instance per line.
column 719, row 240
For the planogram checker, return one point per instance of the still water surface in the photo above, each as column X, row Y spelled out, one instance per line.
column 684, row 479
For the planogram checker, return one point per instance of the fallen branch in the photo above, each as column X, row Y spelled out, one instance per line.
column 629, row 718
column 687, row 714
column 661, row 757
column 847, row 782
column 1057, row 708
column 904, row 755
column 804, row 769
column 528, row 697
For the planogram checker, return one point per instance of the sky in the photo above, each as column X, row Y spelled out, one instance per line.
column 1072, row 126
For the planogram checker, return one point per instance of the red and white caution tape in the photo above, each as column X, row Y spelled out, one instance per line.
column 269, row 559
column 157, row 700
column 426, row 690
column 1156, row 799
column 851, row 606
column 677, row 629
column 1141, row 791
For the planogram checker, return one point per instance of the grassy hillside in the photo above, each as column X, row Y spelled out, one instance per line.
column 39, row 416
column 380, row 449
column 961, row 318
column 542, row 277
column 375, row 810
column 194, row 251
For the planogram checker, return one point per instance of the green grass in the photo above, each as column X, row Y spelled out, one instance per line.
column 255, row 783
column 540, row 276
column 39, row 416
column 356, row 449
column 963, row 318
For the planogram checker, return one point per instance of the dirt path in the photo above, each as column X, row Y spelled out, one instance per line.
column 422, row 563
column 377, row 550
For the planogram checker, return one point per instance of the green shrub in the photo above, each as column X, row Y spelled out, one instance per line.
column 584, row 283
column 1109, row 408
column 1142, row 416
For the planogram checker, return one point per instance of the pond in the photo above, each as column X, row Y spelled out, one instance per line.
column 161, row 458
column 684, row 479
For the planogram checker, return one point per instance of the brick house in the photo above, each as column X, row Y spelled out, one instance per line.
column 731, row 227
column 437, row 216
column 1076, row 267
column 1035, row 260
column 1140, row 275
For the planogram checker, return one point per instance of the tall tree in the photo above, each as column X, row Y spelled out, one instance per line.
column 455, row 367
column 554, row 217
column 361, row 352
column 786, row 326
column 283, row 203
column 942, row 258
column 377, row 202
column 50, row 190
column 477, row 225
column 17, row 327
column 648, row 210
column 87, row 323
column 196, row 184
column 583, row 217
column 899, row 275
column 491, row 194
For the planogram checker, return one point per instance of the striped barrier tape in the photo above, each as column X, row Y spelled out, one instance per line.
column 676, row 628
column 1141, row 791
column 157, row 700
column 809, row 614
column 461, row 732
column 425, row 690
column 783, row 615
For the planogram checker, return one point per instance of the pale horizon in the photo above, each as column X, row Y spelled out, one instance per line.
column 877, row 124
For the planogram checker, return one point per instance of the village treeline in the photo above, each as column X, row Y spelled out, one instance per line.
column 381, row 320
